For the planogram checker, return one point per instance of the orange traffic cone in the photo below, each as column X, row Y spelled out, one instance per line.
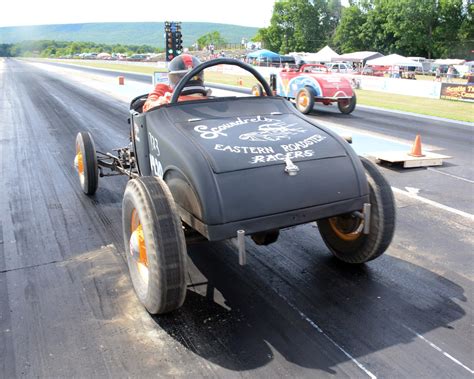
column 240, row 81
column 121, row 80
column 416, row 149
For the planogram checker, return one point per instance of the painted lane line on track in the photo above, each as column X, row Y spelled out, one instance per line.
column 339, row 347
column 439, row 349
column 469, row 216
column 451, row 175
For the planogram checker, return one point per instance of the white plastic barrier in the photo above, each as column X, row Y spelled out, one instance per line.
column 420, row 88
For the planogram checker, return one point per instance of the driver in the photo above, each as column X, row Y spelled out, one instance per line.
column 177, row 68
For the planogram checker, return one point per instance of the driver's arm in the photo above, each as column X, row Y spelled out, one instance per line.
column 160, row 95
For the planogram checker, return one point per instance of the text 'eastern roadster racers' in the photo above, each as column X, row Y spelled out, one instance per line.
column 228, row 167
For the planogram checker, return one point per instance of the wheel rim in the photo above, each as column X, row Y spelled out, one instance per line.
column 303, row 100
column 138, row 247
column 347, row 228
column 345, row 103
column 79, row 162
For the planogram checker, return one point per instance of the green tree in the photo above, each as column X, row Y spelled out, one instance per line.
column 429, row 28
column 5, row 50
column 450, row 35
column 466, row 33
column 214, row 38
column 412, row 24
column 300, row 25
column 349, row 35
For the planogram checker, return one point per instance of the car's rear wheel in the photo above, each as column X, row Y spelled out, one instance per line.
column 85, row 162
column 344, row 236
column 347, row 106
column 154, row 244
column 305, row 100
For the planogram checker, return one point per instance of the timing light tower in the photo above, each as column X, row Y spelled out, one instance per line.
column 173, row 39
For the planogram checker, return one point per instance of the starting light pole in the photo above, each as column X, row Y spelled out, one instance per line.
column 173, row 40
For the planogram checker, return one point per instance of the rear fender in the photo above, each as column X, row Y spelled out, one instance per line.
column 139, row 137
column 183, row 192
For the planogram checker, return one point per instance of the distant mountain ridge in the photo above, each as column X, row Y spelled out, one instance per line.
column 130, row 33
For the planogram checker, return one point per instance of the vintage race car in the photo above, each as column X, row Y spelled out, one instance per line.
column 231, row 167
column 313, row 83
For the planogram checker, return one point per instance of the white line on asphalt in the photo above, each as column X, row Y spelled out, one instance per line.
column 315, row 326
column 469, row 216
column 439, row 349
column 451, row 175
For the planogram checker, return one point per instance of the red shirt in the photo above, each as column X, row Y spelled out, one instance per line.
column 162, row 95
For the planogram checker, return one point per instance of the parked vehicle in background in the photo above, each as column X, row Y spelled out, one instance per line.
column 464, row 70
column 340, row 67
column 88, row 55
column 426, row 64
column 137, row 57
column 443, row 68
column 374, row 70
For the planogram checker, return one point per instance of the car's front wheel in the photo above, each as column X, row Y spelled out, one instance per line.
column 85, row 162
column 154, row 244
column 305, row 100
column 344, row 235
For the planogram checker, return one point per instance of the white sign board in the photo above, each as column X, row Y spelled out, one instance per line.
column 160, row 77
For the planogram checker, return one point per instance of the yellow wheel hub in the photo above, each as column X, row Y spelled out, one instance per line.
column 303, row 100
column 79, row 162
column 346, row 229
column 138, row 246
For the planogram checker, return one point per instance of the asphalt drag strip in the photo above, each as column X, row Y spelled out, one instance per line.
column 68, row 308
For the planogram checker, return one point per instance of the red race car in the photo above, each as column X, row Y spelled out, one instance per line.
column 311, row 83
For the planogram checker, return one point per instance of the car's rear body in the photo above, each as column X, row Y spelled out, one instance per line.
column 326, row 86
column 224, row 161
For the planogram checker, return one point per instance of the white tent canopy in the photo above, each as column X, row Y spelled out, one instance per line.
column 393, row 60
column 326, row 54
column 103, row 55
column 358, row 56
column 449, row 62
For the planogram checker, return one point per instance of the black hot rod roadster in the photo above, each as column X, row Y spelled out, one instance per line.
column 227, row 167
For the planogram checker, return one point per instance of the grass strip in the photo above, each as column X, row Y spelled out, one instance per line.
column 451, row 109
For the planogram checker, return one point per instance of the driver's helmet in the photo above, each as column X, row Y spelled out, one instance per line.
column 179, row 67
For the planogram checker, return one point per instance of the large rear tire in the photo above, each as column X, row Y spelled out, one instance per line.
column 305, row 100
column 344, row 236
column 154, row 244
column 86, row 163
column 347, row 106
